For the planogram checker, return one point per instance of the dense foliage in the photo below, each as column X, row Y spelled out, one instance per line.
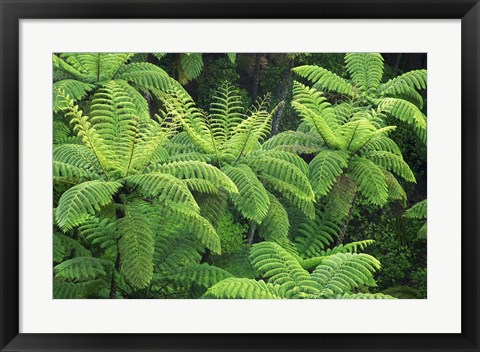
column 238, row 176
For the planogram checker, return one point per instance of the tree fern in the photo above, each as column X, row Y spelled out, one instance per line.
column 398, row 97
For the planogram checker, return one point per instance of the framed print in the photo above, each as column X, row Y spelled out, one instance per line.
column 237, row 175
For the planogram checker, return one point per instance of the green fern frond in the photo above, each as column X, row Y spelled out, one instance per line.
column 343, row 272
column 78, row 156
column 406, row 112
column 147, row 77
column 354, row 134
column 416, row 79
column 165, row 188
column 363, row 296
column 136, row 248
column 64, row 171
column 323, row 79
column 174, row 251
column 381, row 143
column 316, row 111
column 101, row 232
column 392, row 162
column 80, row 269
column 77, row 290
column 232, row 57
column 241, row 288
column 339, row 201
column 197, row 170
column 295, row 142
column 76, row 90
column 226, row 112
column 252, row 199
column 281, row 268
column 418, row 211
column 366, row 70
column 191, row 65
column 201, row 274
column 325, row 169
column 275, row 226
column 370, row 180
column 286, row 179
column 79, row 202
column 395, row 190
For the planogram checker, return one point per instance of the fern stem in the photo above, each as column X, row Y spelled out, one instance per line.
column 251, row 232
column 113, row 285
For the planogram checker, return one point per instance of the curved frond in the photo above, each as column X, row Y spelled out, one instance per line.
column 240, row 288
column 295, row 142
column 76, row 90
column 198, row 170
column 275, row 226
column 80, row 269
column 366, row 70
column 407, row 112
column 417, row 211
column 325, row 169
column 370, row 180
column 392, row 162
column 325, row 80
column 280, row 268
column 136, row 248
column 79, row 202
column 191, row 65
column 343, row 272
column 252, row 199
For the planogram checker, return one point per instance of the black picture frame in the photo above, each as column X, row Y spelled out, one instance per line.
column 13, row 10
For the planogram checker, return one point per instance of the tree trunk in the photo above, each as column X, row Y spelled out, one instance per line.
column 113, row 284
column 285, row 89
column 256, row 75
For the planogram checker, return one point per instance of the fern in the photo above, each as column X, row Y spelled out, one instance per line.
column 275, row 226
column 81, row 201
column 252, row 199
column 323, row 79
column 80, row 269
column 136, row 248
column 325, row 169
column 370, row 180
column 345, row 271
column 241, row 288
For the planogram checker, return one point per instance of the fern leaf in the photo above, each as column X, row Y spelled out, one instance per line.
column 191, row 65
column 325, row 169
column 342, row 272
column 252, row 199
column 324, row 80
column 226, row 112
column 201, row 274
column 392, row 162
column 295, row 142
column 275, row 226
column 406, row 112
column 370, row 180
column 366, row 70
column 275, row 263
column 165, row 188
column 316, row 111
column 76, row 90
column 286, row 179
column 80, row 269
column 240, row 288
column 136, row 248
column 418, row 211
column 197, row 170
column 395, row 190
column 79, row 202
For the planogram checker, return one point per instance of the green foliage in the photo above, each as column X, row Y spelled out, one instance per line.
column 336, row 275
column 206, row 199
